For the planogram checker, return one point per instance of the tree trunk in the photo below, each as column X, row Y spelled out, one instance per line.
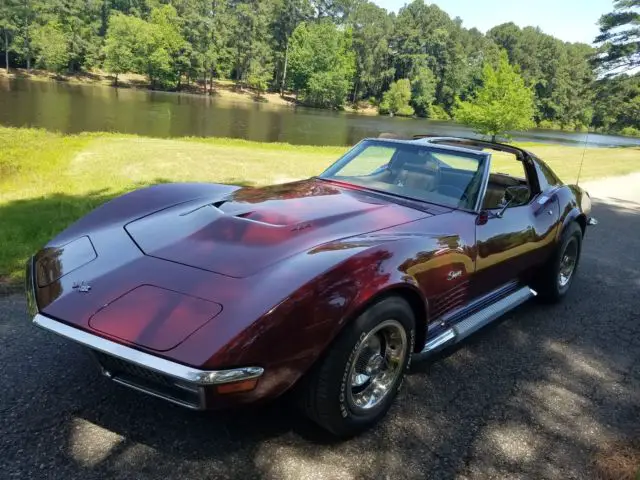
column 493, row 137
column 355, row 92
column 6, row 50
column 205, row 80
column 284, row 68
column 211, row 82
column 116, row 82
column 27, row 52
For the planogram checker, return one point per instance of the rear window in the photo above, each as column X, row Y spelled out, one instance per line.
column 546, row 176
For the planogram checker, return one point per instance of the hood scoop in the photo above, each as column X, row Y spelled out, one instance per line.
column 262, row 215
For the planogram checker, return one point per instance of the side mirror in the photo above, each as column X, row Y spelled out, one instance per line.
column 518, row 195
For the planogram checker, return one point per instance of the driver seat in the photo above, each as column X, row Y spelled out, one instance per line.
column 414, row 172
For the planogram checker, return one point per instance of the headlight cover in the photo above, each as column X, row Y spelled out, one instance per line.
column 54, row 263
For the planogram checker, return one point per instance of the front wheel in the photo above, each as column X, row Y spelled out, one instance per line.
column 557, row 275
column 357, row 379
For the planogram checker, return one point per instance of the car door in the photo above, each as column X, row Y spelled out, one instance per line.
column 510, row 246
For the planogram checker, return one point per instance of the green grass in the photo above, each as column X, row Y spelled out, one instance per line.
column 48, row 180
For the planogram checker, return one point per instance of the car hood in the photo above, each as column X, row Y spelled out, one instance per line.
column 252, row 228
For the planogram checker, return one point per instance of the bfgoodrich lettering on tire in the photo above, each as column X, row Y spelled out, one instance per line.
column 355, row 382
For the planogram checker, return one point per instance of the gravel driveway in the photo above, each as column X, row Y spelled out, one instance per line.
column 534, row 396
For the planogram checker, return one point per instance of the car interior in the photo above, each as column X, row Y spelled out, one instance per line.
column 418, row 170
column 495, row 196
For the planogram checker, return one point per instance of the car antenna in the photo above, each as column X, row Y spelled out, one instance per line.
column 584, row 151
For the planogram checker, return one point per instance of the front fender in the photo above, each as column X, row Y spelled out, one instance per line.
column 289, row 338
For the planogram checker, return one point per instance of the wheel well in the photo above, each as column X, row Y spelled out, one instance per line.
column 415, row 301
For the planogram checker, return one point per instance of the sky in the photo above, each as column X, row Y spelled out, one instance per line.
column 569, row 20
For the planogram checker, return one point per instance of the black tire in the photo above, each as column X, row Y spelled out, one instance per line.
column 548, row 285
column 326, row 394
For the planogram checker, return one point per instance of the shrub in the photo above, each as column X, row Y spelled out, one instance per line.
column 396, row 99
column 436, row 112
column 630, row 132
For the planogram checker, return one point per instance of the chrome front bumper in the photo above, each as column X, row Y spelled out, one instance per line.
column 174, row 382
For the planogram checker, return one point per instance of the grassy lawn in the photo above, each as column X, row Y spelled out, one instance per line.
column 48, row 180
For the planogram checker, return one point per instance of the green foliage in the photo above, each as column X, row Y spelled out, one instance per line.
column 8, row 27
column 423, row 92
column 331, row 52
column 630, row 132
column 155, row 48
column 503, row 102
column 288, row 14
column 165, row 46
column 619, row 37
column 549, row 125
column 252, row 38
column 121, row 44
column 258, row 75
column 395, row 101
column 52, row 46
column 372, row 34
column 436, row 112
column 566, row 127
column 322, row 63
column 559, row 73
column 617, row 103
column 327, row 89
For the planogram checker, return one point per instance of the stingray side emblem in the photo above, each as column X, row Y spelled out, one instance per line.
column 82, row 287
column 301, row 226
column 454, row 274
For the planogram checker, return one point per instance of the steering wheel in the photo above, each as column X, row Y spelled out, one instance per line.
column 457, row 191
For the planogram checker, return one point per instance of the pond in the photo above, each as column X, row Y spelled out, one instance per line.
column 71, row 108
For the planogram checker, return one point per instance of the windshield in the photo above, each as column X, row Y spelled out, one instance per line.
column 418, row 171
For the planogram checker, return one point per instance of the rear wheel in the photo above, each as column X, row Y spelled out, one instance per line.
column 356, row 381
column 556, row 277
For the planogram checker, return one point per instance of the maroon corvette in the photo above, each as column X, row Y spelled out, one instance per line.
column 213, row 296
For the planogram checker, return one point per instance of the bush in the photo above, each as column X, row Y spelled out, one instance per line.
column 436, row 112
column 396, row 99
column 549, row 125
column 405, row 111
column 630, row 132
column 327, row 90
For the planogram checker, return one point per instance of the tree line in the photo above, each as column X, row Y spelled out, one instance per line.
column 328, row 53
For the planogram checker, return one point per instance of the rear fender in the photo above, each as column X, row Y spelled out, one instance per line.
column 575, row 206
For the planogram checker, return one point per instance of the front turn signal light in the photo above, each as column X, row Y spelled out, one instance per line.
column 237, row 387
